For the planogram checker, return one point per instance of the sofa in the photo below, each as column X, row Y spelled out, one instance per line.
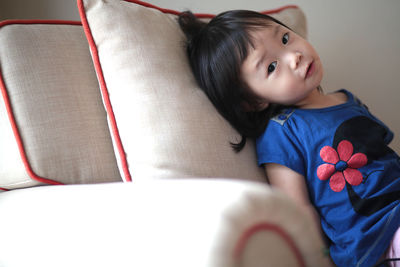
column 110, row 154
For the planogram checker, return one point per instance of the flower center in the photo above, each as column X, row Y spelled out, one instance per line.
column 341, row 166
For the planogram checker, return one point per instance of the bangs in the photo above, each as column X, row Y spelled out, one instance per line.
column 234, row 31
column 245, row 39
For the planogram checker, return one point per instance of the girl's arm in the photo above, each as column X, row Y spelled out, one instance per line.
column 293, row 185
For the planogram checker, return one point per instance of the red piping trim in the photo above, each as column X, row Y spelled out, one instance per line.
column 103, row 87
column 280, row 9
column 164, row 10
column 99, row 71
column 241, row 244
column 38, row 21
column 9, row 109
column 202, row 15
column 3, row 189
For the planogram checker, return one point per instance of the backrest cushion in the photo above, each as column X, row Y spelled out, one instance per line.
column 162, row 124
column 53, row 123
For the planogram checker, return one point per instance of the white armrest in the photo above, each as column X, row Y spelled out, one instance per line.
column 177, row 223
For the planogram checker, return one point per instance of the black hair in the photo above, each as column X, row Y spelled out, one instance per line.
column 216, row 51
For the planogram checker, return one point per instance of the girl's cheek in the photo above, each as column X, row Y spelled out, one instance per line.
column 288, row 87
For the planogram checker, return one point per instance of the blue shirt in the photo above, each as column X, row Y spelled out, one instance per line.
column 352, row 176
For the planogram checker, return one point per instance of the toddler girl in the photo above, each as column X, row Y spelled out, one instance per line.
column 325, row 151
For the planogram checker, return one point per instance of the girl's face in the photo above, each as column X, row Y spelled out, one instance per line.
column 282, row 67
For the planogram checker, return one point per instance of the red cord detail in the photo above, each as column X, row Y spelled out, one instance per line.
column 269, row 227
column 104, row 90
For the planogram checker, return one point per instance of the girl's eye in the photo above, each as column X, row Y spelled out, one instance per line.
column 285, row 38
column 272, row 67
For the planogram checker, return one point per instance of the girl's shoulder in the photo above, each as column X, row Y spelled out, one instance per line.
column 282, row 117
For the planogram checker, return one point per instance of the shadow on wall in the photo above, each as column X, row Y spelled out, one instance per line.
column 39, row 9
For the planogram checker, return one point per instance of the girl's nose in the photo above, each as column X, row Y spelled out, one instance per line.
column 294, row 59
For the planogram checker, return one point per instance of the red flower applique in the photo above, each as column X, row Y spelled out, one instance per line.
column 341, row 166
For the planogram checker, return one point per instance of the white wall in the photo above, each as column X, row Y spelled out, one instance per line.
column 358, row 41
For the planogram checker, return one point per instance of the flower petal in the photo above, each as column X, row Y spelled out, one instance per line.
column 337, row 182
column 357, row 161
column 329, row 155
column 353, row 176
column 325, row 171
column 345, row 150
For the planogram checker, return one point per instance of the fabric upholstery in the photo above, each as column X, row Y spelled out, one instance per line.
column 163, row 125
column 50, row 95
column 153, row 223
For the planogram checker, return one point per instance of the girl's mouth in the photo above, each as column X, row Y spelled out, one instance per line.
column 310, row 70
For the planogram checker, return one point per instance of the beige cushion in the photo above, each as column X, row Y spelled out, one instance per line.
column 50, row 94
column 163, row 124
column 156, row 223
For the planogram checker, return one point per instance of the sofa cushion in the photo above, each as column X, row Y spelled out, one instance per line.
column 162, row 124
column 156, row 223
column 53, row 123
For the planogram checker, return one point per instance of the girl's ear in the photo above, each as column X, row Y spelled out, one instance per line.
column 254, row 108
